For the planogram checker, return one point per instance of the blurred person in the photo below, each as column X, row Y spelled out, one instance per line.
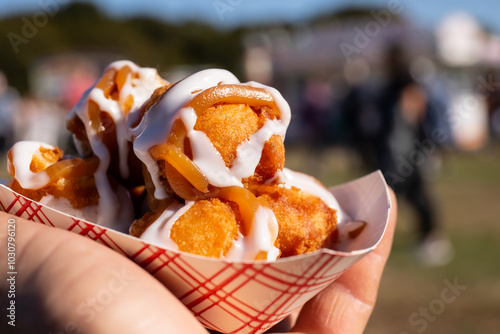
column 407, row 146
column 57, row 302
column 492, row 93
column 316, row 103
column 366, row 129
column 9, row 107
column 438, row 117
column 386, row 128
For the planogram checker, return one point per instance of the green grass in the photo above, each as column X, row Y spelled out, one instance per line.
column 466, row 191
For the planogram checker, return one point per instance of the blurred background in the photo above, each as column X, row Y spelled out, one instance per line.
column 408, row 87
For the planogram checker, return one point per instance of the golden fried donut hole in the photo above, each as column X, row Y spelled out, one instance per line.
column 305, row 222
column 208, row 228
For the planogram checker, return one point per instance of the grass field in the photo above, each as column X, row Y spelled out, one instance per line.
column 467, row 192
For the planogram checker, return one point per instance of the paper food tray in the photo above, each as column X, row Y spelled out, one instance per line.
column 237, row 297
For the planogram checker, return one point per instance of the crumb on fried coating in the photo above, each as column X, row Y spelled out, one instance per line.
column 208, row 228
column 45, row 157
column 227, row 126
column 305, row 222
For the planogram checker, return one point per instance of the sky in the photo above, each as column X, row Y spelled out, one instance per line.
column 231, row 13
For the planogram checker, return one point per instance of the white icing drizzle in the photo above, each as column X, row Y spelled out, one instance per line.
column 158, row 232
column 249, row 152
column 309, row 185
column 284, row 108
column 126, row 212
column 22, row 155
column 140, row 89
column 261, row 237
column 93, row 213
column 279, row 177
column 205, row 155
column 108, row 203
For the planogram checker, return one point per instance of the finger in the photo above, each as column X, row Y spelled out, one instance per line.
column 346, row 305
column 82, row 285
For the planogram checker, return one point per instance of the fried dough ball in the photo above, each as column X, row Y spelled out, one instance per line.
column 239, row 121
column 80, row 190
column 228, row 126
column 306, row 223
column 108, row 117
column 107, row 135
column 44, row 157
column 208, row 228
column 71, row 185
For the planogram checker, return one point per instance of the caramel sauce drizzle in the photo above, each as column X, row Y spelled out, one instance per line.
column 68, row 168
column 72, row 168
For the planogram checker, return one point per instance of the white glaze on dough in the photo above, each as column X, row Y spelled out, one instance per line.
column 158, row 232
column 311, row 186
column 154, row 128
column 22, row 154
column 262, row 235
column 140, row 89
column 205, row 155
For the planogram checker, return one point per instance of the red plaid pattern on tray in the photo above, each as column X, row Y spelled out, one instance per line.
column 244, row 297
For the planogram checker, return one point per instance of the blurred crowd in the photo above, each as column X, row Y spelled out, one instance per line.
column 404, row 121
